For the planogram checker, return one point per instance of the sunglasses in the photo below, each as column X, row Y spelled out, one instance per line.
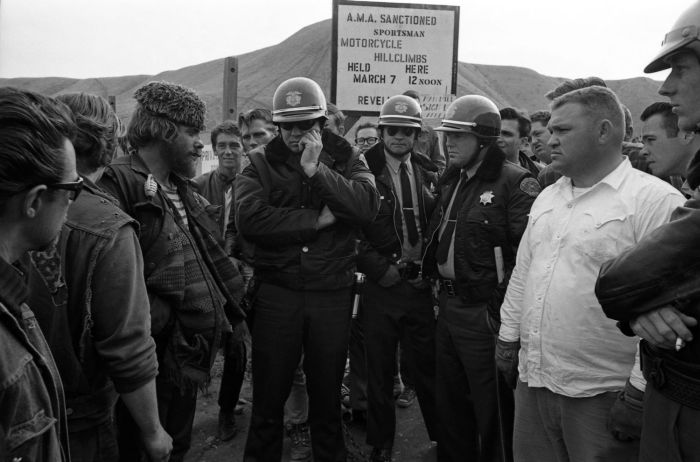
column 73, row 188
column 368, row 140
column 406, row 131
column 303, row 125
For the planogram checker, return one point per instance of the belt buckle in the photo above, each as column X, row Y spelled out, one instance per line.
column 449, row 287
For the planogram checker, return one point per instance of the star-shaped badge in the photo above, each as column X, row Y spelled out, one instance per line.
column 486, row 197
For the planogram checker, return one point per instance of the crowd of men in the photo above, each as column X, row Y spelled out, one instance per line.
column 531, row 279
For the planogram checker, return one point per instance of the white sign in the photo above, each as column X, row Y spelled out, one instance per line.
column 384, row 49
column 435, row 107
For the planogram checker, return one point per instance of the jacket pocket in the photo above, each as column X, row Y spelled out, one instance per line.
column 484, row 231
column 24, row 432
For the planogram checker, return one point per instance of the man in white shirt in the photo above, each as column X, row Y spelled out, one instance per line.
column 572, row 360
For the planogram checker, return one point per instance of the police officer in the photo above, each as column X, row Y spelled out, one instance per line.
column 397, row 303
column 301, row 202
column 474, row 236
column 645, row 287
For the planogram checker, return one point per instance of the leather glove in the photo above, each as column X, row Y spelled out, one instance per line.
column 625, row 419
column 507, row 360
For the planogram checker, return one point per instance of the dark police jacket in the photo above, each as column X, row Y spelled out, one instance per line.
column 494, row 214
column 276, row 210
column 383, row 238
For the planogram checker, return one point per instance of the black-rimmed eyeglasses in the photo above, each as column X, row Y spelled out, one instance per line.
column 73, row 188
column 368, row 140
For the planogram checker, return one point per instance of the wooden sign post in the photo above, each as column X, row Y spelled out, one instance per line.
column 230, row 101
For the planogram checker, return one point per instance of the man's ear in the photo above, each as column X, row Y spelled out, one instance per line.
column 686, row 137
column 524, row 143
column 605, row 130
column 33, row 201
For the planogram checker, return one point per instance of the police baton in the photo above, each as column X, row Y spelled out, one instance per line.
column 359, row 282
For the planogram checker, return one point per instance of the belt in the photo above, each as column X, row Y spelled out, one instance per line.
column 410, row 271
column 677, row 380
column 449, row 286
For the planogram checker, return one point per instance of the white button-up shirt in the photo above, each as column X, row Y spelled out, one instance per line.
column 567, row 343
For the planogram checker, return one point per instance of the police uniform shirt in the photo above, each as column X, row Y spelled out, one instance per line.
column 447, row 270
column 410, row 253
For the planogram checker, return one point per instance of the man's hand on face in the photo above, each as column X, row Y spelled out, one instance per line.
column 312, row 145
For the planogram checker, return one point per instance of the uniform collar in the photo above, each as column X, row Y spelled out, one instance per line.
column 395, row 164
column 489, row 169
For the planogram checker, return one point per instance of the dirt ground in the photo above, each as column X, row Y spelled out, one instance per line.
column 411, row 443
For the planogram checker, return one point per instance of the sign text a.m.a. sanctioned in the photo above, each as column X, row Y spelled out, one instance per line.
column 384, row 49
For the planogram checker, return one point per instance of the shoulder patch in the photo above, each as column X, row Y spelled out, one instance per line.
column 530, row 186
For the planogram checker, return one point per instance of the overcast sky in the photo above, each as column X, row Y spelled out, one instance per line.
column 612, row 39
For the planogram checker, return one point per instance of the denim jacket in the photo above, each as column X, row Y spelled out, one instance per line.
column 32, row 408
column 97, row 322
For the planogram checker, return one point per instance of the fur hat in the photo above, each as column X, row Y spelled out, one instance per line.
column 173, row 102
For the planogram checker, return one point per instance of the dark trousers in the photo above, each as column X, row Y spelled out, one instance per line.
column 94, row 444
column 231, row 380
column 287, row 321
column 389, row 315
column 176, row 409
column 358, row 366
column 671, row 431
column 467, row 391
column 405, row 365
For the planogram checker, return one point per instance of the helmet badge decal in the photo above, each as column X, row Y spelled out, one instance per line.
column 401, row 107
column 293, row 98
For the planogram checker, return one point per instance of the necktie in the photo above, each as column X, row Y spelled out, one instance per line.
column 443, row 248
column 407, row 204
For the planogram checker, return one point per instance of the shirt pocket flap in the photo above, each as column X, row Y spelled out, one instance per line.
column 604, row 215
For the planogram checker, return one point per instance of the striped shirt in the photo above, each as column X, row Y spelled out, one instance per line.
column 174, row 197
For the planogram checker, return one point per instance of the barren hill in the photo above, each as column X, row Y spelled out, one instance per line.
column 308, row 53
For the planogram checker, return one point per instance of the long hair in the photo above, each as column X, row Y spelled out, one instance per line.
column 98, row 130
column 145, row 128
